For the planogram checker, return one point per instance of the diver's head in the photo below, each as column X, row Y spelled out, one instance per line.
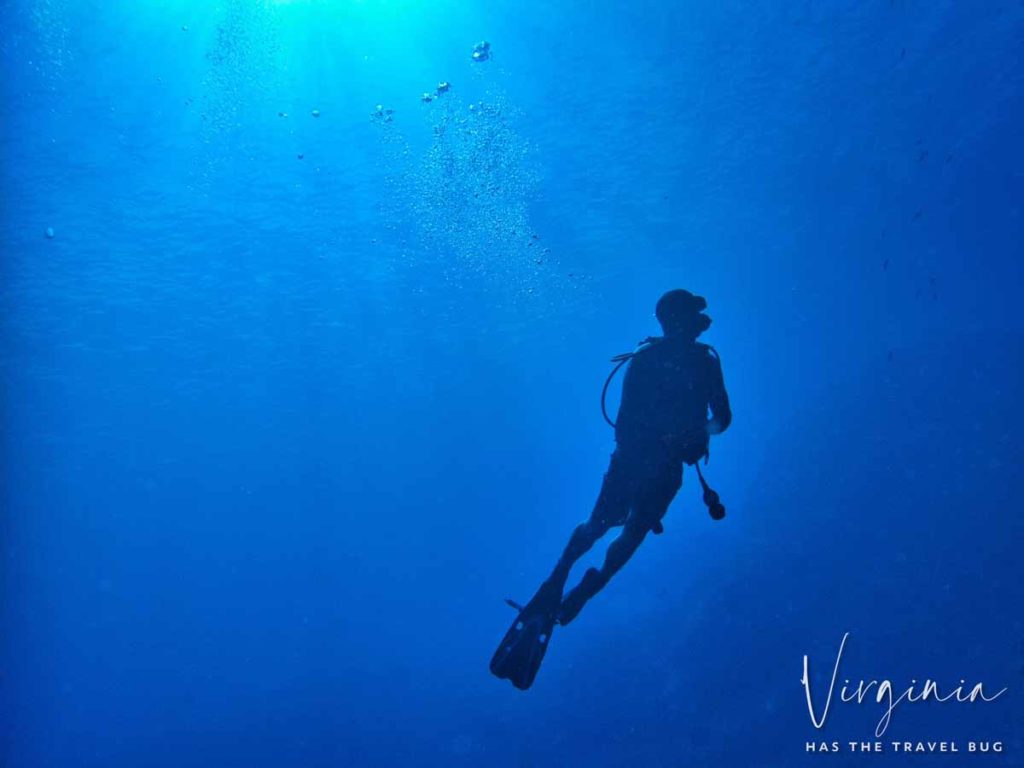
column 681, row 314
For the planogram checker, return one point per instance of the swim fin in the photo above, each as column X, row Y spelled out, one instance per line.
column 522, row 649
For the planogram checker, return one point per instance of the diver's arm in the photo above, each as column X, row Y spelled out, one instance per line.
column 721, row 413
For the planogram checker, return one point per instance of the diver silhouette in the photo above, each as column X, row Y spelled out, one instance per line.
column 672, row 383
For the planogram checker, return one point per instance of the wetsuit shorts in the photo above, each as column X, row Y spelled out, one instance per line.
column 638, row 483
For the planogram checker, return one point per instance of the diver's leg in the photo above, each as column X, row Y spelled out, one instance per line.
column 594, row 580
column 645, row 515
column 611, row 509
column 625, row 544
column 583, row 538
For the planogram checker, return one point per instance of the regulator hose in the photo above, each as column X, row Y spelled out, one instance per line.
column 607, row 383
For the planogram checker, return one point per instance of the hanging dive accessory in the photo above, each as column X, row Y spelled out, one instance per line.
column 715, row 507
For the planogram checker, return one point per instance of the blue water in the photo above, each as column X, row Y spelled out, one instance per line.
column 280, row 433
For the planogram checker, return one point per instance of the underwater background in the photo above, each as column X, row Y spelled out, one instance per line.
column 301, row 375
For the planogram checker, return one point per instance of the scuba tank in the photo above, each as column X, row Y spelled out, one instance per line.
column 621, row 360
column 711, row 498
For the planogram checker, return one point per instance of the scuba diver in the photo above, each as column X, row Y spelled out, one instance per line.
column 673, row 401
